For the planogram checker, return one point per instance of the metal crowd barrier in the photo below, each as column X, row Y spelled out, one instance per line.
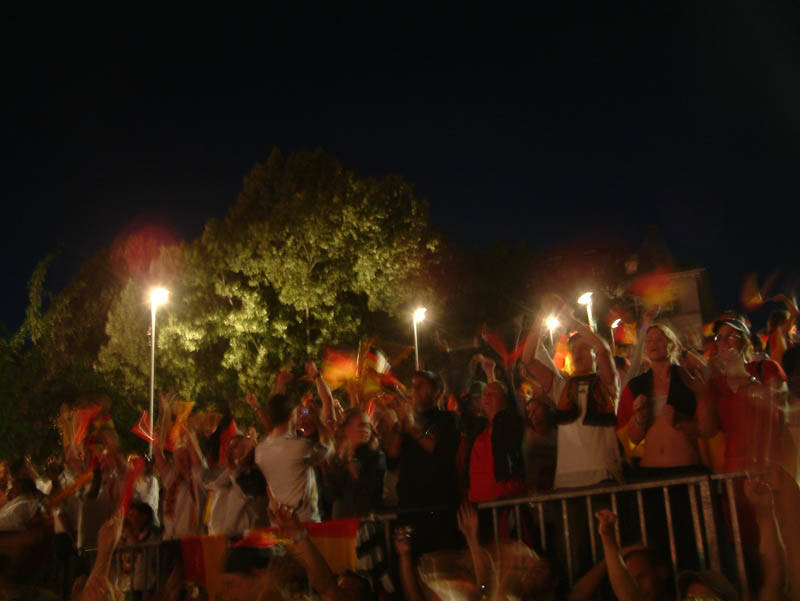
column 704, row 492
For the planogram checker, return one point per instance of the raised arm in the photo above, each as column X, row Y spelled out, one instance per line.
column 164, row 425
column 468, row 524
column 328, row 413
column 622, row 583
column 320, row 575
column 412, row 587
column 539, row 371
column 605, row 363
column 98, row 587
column 251, row 400
column 773, row 559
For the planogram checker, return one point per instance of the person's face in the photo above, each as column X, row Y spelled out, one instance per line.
column 358, row 430
column 729, row 338
column 137, row 522
column 492, row 399
column 657, row 345
column 643, row 571
column 582, row 356
column 421, row 393
column 236, row 450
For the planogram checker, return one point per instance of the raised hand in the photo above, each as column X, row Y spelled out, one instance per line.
column 287, row 522
column 468, row 521
column 641, row 410
column 759, row 494
column 402, row 540
column 605, row 522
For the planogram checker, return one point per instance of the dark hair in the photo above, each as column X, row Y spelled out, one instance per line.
column 433, row 379
column 145, row 510
column 26, row 486
column 243, row 560
column 777, row 318
column 279, row 409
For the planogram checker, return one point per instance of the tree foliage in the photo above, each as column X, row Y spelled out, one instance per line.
column 309, row 253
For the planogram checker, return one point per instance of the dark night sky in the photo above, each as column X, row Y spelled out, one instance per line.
column 578, row 120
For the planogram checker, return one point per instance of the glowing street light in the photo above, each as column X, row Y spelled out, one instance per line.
column 158, row 296
column 552, row 324
column 614, row 326
column 586, row 299
column 419, row 315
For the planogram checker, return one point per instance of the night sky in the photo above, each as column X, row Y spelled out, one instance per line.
column 552, row 126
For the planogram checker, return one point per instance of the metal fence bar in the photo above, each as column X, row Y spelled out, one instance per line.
column 590, row 516
column 496, row 531
column 642, row 521
column 542, row 535
column 615, row 509
column 710, row 525
column 671, row 533
column 567, row 543
column 744, row 589
column 698, row 534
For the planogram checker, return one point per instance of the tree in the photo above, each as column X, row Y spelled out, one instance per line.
column 309, row 254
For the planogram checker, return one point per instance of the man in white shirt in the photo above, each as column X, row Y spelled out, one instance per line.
column 287, row 461
column 587, row 451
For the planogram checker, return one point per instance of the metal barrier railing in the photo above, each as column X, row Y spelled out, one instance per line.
column 704, row 500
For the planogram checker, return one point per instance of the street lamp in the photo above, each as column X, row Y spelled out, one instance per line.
column 614, row 326
column 419, row 315
column 158, row 296
column 552, row 324
column 586, row 299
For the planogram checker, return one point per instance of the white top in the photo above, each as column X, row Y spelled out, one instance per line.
column 19, row 513
column 187, row 517
column 586, row 455
column 285, row 461
column 229, row 506
column 659, row 401
column 145, row 490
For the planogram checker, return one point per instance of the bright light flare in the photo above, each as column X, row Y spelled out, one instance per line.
column 552, row 323
column 585, row 298
column 419, row 314
column 616, row 323
column 158, row 296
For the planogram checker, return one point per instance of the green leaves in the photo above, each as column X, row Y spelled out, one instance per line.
column 307, row 254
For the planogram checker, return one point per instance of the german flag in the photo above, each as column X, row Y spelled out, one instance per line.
column 204, row 556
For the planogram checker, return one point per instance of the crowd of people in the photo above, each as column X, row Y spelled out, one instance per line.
column 467, row 431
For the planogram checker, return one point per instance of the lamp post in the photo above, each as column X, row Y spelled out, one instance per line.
column 586, row 299
column 614, row 327
column 552, row 323
column 419, row 315
column 158, row 296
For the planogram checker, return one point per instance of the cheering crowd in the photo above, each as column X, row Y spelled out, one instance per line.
column 473, row 427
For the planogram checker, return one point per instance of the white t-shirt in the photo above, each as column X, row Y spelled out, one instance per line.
column 586, row 455
column 285, row 461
